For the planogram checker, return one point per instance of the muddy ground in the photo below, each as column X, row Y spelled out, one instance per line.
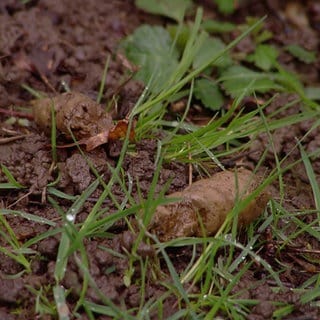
column 51, row 45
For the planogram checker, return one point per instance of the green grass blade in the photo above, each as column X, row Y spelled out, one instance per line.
column 15, row 253
column 55, row 192
column 33, row 92
column 175, row 277
column 312, row 178
column 109, row 308
column 12, row 181
column 103, row 79
column 70, row 231
column 28, row 216
column 60, row 299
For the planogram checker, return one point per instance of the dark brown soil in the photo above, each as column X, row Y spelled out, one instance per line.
column 50, row 45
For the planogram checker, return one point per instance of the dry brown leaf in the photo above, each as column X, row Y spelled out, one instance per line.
column 97, row 140
column 119, row 131
column 208, row 202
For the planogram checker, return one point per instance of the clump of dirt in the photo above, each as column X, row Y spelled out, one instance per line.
column 204, row 205
column 79, row 118
column 249, row 287
column 29, row 161
column 52, row 45
column 74, row 112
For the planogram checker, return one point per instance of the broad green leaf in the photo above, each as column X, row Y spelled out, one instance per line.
column 174, row 9
column 180, row 34
column 152, row 50
column 301, row 53
column 264, row 57
column 225, row 6
column 209, row 49
column 215, row 26
column 209, row 93
column 237, row 79
column 259, row 34
column 263, row 36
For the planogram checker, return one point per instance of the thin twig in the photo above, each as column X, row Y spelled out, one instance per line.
column 17, row 114
column 11, row 139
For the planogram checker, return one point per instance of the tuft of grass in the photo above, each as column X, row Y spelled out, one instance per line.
column 15, row 251
column 312, row 178
column 151, row 111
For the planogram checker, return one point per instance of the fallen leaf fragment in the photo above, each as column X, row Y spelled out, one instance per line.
column 207, row 202
column 97, row 140
column 119, row 131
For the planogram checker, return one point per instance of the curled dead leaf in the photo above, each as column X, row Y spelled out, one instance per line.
column 119, row 131
column 207, row 203
column 97, row 140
